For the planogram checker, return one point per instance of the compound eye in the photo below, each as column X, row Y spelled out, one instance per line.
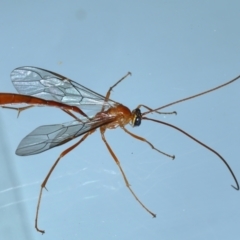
column 137, row 122
column 137, row 117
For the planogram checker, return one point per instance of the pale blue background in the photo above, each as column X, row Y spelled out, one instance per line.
column 174, row 49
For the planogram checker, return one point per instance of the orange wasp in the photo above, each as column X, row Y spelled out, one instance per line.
column 39, row 87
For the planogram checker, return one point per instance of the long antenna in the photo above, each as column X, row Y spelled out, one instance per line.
column 201, row 143
column 197, row 95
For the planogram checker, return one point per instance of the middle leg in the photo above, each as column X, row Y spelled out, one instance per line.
column 102, row 130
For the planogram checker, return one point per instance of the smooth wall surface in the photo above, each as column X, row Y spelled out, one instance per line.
column 174, row 49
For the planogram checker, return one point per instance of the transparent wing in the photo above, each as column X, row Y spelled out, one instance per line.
column 49, row 136
column 48, row 85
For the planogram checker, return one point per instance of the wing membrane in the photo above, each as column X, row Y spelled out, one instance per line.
column 49, row 136
column 48, row 85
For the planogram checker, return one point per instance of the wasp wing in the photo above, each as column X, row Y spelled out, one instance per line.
column 48, row 136
column 48, row 85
